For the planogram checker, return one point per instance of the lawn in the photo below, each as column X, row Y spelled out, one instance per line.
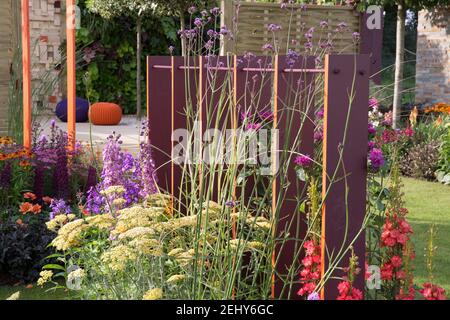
column 35, row 293
column 428, row 203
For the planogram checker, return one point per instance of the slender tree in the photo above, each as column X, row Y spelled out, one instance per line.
column 402, row 7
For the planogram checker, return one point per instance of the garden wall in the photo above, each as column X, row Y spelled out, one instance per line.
column 433, row 57
column 6, row 45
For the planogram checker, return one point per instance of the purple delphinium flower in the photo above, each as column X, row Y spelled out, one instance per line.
column 59, row 207
column 38, row 185
column 61, row 173
column 376, row 158
column 313, row 296
column 303, row 161
column 91, row 180
column 6, row 175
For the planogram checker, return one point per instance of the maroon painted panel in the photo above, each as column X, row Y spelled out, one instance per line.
column 295, row 114
column 217, row 81
column 340, row 76
column 372, row 43
column 184, row 98
column 160, row 117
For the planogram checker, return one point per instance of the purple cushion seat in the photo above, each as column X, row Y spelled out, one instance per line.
column 82, row 110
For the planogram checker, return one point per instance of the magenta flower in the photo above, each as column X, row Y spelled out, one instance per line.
column 303, row 161
column 376, row 158
column 373, row 103
column 372, row 129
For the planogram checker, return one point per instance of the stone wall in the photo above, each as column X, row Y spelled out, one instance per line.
column 433, row 57
column 46, row 32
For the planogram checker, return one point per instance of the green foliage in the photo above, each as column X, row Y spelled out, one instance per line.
column 107, row 71
column 23, row 246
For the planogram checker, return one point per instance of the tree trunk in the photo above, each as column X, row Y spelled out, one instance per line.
column 183, row 39
column 399, row 63
column 138, row 68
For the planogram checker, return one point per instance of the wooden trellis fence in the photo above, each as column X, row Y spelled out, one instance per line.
column 345, row 141
column 250, row 20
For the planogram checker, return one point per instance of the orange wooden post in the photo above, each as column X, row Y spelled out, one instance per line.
column 26, row 74
column 71, row 72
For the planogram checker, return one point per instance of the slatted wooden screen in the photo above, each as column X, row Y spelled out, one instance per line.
column 344, row 147
column 250, row 20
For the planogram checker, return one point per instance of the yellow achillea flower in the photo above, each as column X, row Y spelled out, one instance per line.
column 147, row 246
column 137, row 233
column 45, row 276
column 118, row 257
column 14, row 296
column 175, row 252
column 137, row 216
column 160, row 200
column 174, row 224
column 119, row 202
column 176, row 278
column 101, row 221
column 259, row 222
column 153, row 294
column 250, row 245
column 113, row 190
column 57, row 222
column 69, row 235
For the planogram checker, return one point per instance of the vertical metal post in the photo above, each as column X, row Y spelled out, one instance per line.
column 344, row 165
column 26, row 67
column 71, row 71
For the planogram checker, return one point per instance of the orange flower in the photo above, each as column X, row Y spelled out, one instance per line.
column 413, row 116
column 24, row 164
column 36, row 209
column 19, row 222
column 29, row 195
column 47, row 200
column 26, row 207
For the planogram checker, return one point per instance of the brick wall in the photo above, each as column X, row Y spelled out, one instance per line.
column 433, row 57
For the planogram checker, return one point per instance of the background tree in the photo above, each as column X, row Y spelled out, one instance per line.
column 138, row 10
column 402, row 7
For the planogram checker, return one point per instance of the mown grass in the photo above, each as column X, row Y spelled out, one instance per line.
column 428, row 204
column 34, row 293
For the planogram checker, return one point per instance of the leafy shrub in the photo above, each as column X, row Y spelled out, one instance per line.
column 422, row 161
column 23, row 246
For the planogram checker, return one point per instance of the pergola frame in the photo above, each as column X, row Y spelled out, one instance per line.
column 71, row 73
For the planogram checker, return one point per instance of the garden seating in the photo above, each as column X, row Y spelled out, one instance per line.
column 82, row 110
column 105, row 114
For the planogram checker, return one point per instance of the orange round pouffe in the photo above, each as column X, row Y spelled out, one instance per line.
column 105, row 114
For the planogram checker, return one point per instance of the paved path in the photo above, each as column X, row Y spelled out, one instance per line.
column 128, row 128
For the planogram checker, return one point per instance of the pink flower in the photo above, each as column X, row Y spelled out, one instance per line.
column 396, row 261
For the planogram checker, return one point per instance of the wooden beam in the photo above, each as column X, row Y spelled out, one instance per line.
column 26, row 67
